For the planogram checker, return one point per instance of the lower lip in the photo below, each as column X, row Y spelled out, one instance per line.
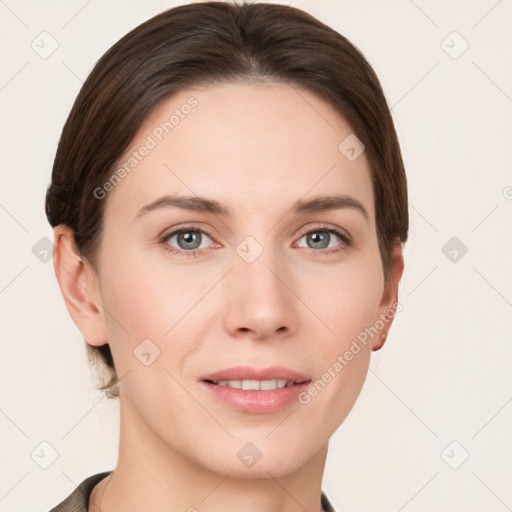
column 257, row 402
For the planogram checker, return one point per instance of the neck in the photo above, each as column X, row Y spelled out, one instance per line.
column 151, row 475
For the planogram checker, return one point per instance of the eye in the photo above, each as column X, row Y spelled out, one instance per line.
column 325, row 238
column 191, row 241
column 187, row 240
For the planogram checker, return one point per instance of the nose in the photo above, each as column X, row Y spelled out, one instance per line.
column 260, row 299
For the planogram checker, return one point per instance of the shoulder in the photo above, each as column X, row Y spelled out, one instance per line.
column 78, row 500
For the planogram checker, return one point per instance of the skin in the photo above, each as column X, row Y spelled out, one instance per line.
column 257, row 148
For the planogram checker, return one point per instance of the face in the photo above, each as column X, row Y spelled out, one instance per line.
column 220, row 262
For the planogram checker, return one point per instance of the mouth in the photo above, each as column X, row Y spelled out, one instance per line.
column 255, row 385
column 254, row 390
column 249, row 378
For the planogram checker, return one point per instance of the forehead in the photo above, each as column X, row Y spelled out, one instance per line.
column 249, row 145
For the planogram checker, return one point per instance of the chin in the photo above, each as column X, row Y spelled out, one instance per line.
column 259, row 458
column 271, row 466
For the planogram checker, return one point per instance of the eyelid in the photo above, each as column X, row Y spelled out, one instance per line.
column 325, row 227
column 168, row 232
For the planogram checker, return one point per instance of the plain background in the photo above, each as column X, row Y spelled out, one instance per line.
column 439, row 391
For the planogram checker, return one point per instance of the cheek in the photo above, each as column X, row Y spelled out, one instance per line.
column 146, row 297
column 154, row 302
column 346, row 308
column 144, row 334
column 345, row 297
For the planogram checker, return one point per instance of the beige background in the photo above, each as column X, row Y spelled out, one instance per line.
column 444, row 375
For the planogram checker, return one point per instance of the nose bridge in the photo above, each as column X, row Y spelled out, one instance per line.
column 259, row 298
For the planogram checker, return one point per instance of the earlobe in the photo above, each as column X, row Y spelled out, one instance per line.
column 388, row 306
column 79, row 286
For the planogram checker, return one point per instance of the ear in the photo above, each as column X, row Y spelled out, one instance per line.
column 78, row 283
column 388, row 306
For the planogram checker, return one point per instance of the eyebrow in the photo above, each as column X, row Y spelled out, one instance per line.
column 301, row 206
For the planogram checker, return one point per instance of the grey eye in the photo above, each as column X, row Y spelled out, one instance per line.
column 188, row 239
column 320, row 239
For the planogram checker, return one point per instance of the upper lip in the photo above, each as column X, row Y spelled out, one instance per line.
column 250, row 373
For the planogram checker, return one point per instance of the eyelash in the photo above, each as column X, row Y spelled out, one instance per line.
column 346, row 240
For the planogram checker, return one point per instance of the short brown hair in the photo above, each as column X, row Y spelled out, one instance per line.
column 220, row 42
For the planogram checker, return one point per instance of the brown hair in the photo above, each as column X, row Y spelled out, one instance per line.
column 208, row 42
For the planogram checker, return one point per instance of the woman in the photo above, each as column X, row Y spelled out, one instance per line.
column 229, row 205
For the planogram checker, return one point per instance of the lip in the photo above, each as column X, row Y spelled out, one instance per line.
column 252, row 401
column 250, row 373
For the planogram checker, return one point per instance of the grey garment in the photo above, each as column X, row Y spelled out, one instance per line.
column 78, row 500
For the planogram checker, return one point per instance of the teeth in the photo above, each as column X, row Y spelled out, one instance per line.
column 255, row 385
column 268, row 385
column 250, row 385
